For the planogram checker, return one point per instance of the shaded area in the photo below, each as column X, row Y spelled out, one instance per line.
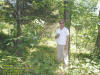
column 40, row 61
column 44, row 60
column 84, row 56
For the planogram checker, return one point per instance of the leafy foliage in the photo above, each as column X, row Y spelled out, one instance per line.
column 37, row 15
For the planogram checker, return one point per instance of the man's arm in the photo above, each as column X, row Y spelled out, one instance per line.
column 67, row 38
column 67, row 41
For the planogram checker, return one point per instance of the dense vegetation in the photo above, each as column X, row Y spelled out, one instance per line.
column 27, row 31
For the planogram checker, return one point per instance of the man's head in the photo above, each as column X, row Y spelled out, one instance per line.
column 61, row 22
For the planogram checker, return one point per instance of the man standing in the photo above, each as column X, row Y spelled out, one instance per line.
column 62, row 38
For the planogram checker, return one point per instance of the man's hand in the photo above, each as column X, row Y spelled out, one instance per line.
column 57, row 36
column 65, row 48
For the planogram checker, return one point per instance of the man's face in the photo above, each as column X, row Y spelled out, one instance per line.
column 61, row 24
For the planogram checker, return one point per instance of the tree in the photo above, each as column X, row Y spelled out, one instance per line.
column 98, row 37
column 67, row 18
column 24, row 13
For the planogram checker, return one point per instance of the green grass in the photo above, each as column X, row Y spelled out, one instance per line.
column 42, row 60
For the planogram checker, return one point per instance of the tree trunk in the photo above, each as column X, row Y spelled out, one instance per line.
column 19, row 6
column 98, row 37
column 76, row 37
column 67, row 19
column 18, row 17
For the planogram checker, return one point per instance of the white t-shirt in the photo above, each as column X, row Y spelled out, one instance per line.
column 61, row 40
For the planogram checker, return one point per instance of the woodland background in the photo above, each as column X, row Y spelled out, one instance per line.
column 27, row 31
